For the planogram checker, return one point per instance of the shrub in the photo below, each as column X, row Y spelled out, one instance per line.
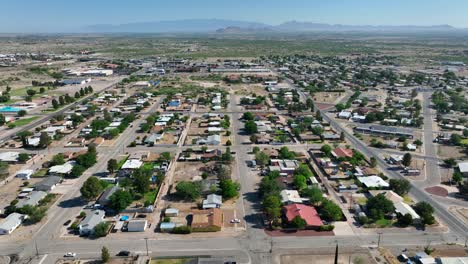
column 207, row 229
column 182, row 230
column 326, row 228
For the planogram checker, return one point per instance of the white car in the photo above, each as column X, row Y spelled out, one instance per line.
column 235, row 220
column 70, row 255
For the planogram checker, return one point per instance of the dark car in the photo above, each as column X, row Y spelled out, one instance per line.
column 67, row 222
column 123, row 253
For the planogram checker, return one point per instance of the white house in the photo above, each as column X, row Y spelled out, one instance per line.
column 290, row 197
column 212, row 201
column 463, row 167
column 137, row 225
column 24, row 174
column 10, row 223
column 373, row 182
column 132, row 164
column 86, row 226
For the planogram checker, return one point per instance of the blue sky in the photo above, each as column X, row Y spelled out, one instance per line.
column 67, row 16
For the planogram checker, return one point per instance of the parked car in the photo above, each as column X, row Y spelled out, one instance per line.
column 67, row 222
column 70, row 255
column 123, row 253
column 235, row 220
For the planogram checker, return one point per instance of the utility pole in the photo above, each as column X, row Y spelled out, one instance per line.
column 378, row 242
column 466, row 240
column 37, row 251
column 146, row 241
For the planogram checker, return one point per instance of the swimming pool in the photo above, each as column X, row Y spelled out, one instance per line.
column 9, row 109
column 124, row 218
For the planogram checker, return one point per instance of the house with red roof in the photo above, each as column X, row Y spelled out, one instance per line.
column 342, row 153
column 308, row 213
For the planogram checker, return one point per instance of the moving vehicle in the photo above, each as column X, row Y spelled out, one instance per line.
column 123, row 253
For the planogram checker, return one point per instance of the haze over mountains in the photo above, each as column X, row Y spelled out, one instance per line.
column 236, row 26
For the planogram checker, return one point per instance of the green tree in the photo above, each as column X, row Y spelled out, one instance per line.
column 272, row 207
column 101, row 229
column 298, row 223
column 55, row 104
column 262, row 158
column 2, row 120
column 405, row 220
column 112, row 165
column 407, row 158
column 62, row 100
column 457, row 177
column 248, row 116
column 58, row 159
column 314, row 195
column 31, row 92
column 373, row 162
column 105, row 255
column 120, row 200
column 23, row 157
column 188, row 190
column 44, row 140
column 378, row 206
column 166, row 156
column 326, row 149
column 330, row 211
column 300, row 181
column 250, row 127
column 91, row 188
column 141, row 180
column 229, row 189
column 77, row 171
column 22, row 113
column 426, row 211
column 401, row 187
column 23, row 135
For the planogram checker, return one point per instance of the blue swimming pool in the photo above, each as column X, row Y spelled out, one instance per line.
column 9, row 109
column 124, row 218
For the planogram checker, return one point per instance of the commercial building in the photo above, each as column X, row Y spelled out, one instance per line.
column 380, row 130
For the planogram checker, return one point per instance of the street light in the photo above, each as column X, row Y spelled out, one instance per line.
column 146, row 241
column 378, row 242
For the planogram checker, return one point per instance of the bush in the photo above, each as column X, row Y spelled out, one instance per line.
column 182, row 230
column 326, row 228
column 101, row 229
column 207, row 229
column 166, row 219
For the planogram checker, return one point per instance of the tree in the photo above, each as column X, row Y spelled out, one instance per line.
column 100, row 230
column 23, row 157
column 248, row 116
column 141, row 180
column 314, row 194
column 227, row 156
column 340, row 107
column 82, row 92
column 188, row 190
column 300, row 181
column 77, row 95
column 58, row 159
column 23, row 135
column 229, row 189
column 250, row 127
column 401, row 187
column 44, row 140
column 262, row 158
column 326, row 149
column 303, row 169
column 42, row 90
column 405, row 220
column 272, row 207
column 298, row 223
column 457, row 177
column 55, row 104
column 455, row 139
column 166, row 156
column 120, row 200
column 35, row 213
column 105, row 255
column 407, row 158
column 450, row 162
column 22, row 113
column 2, row 120
column 255, row 150
column 31, row 92
column 61, row 100
column 378, row 206
column 330, row 211
column 373, row 162
column 112, row 165
column 91, row 188
column 426, row 211
column 284, row 153
column 77, row 171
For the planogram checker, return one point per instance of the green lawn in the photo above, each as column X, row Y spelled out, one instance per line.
column 383, row 223
column 24, row 121
column 121, row 162
column 171, row 261
column 40, row 173
column 150, row 196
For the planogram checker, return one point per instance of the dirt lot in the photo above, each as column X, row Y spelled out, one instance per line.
column 326, row 259
column 327, row 97
column 248, row 89
column 445, row 151
column 189, row 171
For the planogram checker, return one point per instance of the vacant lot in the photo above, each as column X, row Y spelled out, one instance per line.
column 327, row 259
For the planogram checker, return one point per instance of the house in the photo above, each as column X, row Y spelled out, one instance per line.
column 210, row 140
column 411, row 147
column 167, row 226
column 9, row 224
column 86, row 227
column 32, row 200
column 380, row 130
column 104, row 199
column 373, row 182
column 154, row 138
column 308, row 213
column 212, row 201
column 47, row 184
column 342, row 153
column 132, row 164
column 344, row 115
column 137, row 225
column 211, row 218
column 9, row 156
column 290, row 197
column 283, row 166
column 33, row 141
column 171, row 212
column 62, row 170
column 53, row 130
column 395, row 159
column 76, row 142
column 463, row 167
column 402, row 208
column 24, row 174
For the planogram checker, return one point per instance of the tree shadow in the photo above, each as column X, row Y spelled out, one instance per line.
column 74, row 202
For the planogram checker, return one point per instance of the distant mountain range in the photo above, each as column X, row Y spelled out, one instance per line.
column 223, row 26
